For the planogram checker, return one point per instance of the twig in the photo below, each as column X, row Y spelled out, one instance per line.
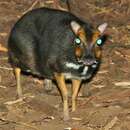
column 18, row 100
column 61, row 8
column 123, row 83
column 14, row 102
column 69, row 128
column 32, row 6
column 3, row 34
column 49, row 2
column 76, row 119
column 102, row 10
column 99, row 86
column 3, row 2
column 1, row 86
column 27, row 125
column 6, row 68
column 57, row 6
column 103, row 71
column 20, row 123
column 111, row 124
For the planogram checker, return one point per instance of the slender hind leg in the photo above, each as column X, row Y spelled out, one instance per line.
column 75, row 89
column 17, row 75
column 48, row 85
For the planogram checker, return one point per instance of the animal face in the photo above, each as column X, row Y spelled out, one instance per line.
column 88, row 48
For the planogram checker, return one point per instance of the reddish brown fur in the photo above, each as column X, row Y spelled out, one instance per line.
column 82, row 35
column 97, row 49
column 78, row 52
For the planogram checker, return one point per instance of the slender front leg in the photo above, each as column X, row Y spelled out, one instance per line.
column 64, row 93
column 17, row 75
column 75, row 89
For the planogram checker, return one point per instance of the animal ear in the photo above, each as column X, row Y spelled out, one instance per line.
column 102, row 27
column 75, row 26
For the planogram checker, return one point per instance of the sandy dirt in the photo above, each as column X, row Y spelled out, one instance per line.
column 104, row 103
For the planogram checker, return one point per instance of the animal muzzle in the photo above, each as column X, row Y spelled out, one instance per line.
column 89, row 62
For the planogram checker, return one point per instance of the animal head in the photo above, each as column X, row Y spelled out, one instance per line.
column 88, row 47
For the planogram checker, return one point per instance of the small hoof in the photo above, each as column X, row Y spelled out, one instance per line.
column 66, row 118
column 19, row 96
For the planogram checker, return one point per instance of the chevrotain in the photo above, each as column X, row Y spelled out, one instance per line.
column 56, row 45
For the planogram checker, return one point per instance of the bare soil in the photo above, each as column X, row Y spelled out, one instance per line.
column 105, row 100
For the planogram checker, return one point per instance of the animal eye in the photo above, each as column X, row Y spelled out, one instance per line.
column 77, row 41
column 99, row 42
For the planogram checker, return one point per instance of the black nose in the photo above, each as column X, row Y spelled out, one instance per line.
column 90, row 62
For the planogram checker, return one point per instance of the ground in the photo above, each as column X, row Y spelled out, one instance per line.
column 104, row 103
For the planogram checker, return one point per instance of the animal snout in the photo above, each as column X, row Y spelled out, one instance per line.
column 89, row 62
